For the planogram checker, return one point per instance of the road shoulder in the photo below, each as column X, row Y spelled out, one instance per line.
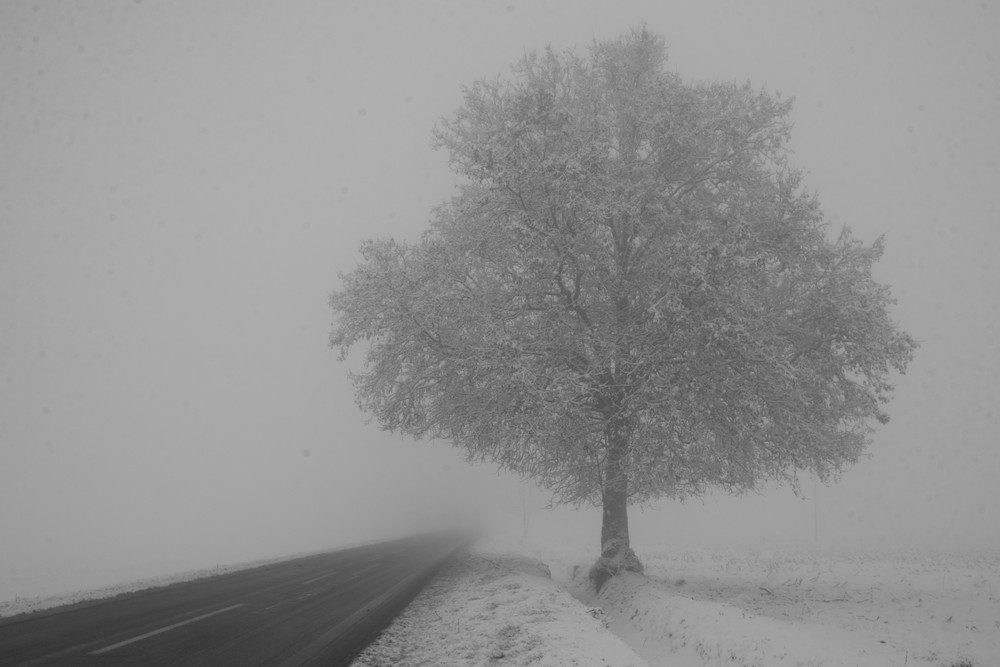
column 493, row 605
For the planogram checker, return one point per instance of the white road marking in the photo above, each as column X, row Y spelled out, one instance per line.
column 309, row 581
column 161, row 630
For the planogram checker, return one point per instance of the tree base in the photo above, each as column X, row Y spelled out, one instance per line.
column 607, row 567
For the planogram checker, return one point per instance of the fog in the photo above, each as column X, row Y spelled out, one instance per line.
column 181, row 183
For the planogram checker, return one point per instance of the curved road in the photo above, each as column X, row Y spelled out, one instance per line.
column 318, row 610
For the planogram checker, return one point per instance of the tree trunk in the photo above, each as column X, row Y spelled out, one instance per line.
column 616, row 551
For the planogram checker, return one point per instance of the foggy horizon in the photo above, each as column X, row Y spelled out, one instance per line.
column 182, row 185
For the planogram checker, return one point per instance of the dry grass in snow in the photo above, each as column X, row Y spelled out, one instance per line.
column 494, row 606
column 704, row 607
column 764, row 608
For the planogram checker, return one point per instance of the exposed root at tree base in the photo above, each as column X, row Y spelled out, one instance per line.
column 607, row 567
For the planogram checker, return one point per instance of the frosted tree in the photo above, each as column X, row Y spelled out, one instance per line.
column 631, row 297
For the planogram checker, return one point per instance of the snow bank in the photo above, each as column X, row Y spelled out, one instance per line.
column 703, row 607
column 497, row 606
column 700, row 607
column 669, row 629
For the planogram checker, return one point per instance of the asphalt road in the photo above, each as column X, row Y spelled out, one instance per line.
column 318, row 610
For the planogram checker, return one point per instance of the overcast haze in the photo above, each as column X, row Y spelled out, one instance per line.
column 181, row 183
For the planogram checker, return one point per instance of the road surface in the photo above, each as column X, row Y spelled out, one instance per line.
column 317, row 610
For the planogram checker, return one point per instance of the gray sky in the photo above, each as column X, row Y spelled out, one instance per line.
column 181, row 183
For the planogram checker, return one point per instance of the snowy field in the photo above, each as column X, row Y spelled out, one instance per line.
column 775, row 608
column 700, row 607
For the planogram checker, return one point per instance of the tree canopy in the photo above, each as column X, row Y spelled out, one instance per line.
column 631, row 297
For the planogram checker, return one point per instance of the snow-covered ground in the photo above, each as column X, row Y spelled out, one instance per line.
column 496, row 605
column 698, row 607
column 775, row 608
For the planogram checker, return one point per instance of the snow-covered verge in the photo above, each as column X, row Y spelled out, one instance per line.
column 698, row 607
column 703, row 607
column 497, row 606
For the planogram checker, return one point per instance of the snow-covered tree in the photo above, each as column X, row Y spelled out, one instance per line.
column 632, row 296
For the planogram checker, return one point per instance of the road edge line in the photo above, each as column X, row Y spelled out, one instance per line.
column 112, row 647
